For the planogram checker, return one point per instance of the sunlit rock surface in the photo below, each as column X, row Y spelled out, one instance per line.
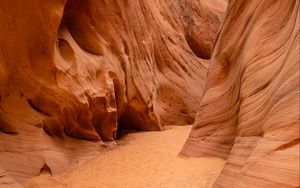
column 249, row 113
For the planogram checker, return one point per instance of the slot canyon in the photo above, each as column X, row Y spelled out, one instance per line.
column 149, row 93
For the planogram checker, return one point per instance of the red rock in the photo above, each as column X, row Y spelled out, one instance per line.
column 249, row 113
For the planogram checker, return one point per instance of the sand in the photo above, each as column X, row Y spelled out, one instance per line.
column 143, row 159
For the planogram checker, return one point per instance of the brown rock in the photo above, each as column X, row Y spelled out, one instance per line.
column 249, row 113
column 73, row 70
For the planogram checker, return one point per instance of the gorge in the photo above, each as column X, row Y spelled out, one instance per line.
column 75, row 75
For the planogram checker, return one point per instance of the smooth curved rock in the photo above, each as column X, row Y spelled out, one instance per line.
column 249, row 113
column 73, row 70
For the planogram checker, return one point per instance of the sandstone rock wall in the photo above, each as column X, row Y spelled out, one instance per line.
column 249, row 113
column 72, row 72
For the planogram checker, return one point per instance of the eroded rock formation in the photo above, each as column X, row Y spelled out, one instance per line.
column 249, row 113
column 73, row 70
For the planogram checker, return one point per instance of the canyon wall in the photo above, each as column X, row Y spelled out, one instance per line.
column 249, row 113
column 72, row 73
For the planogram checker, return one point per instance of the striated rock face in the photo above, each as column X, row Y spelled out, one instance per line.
column 72, row 72
column 249, row 113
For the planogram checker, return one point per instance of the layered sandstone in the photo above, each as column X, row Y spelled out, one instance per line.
column 74, row 72
column 249, row 113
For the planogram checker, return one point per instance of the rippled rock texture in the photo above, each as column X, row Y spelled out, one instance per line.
column 72, row 73
column 249, row 113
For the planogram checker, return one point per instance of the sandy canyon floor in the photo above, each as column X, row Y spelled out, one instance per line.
column 143, row 159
